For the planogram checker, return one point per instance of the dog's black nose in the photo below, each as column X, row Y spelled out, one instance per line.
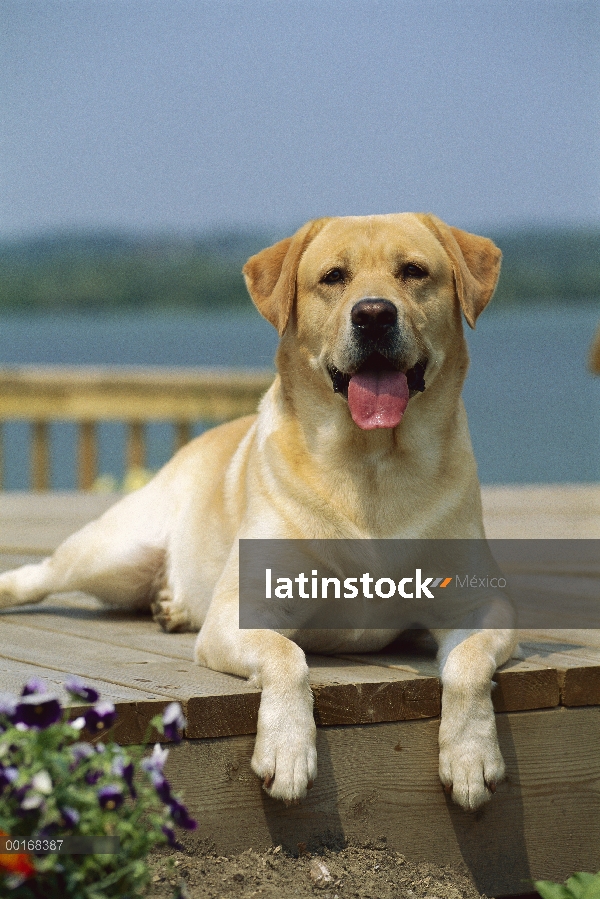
column 374, row 316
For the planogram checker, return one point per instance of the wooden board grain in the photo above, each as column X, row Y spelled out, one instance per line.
column 153, row 674
column 377, row 716
column 118, row 650
column 38, row 523
column 83, row 616
column 75, row 634
column 520, row 684
column 14, row 674
column 381, row 780
column 542, row 511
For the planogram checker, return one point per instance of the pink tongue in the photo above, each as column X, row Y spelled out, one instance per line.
column 378, row 399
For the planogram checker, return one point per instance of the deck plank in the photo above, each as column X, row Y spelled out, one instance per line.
column 83, row 616
column 13, row 674
column 543, row 511
column 88, row 657
column 374, row 780
column 38, row 522
column 137, row 665
column 521, row 684
column 365, row 688
column 35, row 524
column 216, row 704
column 377, row 772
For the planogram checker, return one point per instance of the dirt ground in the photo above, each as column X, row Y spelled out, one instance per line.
column 356, row 872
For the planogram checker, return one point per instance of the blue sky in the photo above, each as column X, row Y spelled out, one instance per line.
column 178, row 116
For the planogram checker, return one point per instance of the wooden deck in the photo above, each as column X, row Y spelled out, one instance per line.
column 377, row 713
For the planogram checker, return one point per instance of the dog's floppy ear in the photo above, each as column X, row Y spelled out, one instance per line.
column 476, row 264
column 271, row 275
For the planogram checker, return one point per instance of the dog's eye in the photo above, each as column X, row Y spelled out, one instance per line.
column 335, row 276
column 413, row 271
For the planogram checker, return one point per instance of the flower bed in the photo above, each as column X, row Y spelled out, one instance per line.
column 79, row 817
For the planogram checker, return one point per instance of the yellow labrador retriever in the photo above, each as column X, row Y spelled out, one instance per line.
column 346, row 444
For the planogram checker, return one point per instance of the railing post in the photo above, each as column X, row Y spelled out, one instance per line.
column 87, row 455
column 136, row 446
column 40, row 456
column 183, row 434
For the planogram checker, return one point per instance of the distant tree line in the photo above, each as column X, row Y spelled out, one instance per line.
column 111, row 272
column 105, row 272
column 554, row 264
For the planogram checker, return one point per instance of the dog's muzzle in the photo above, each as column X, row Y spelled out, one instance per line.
column 377, row 385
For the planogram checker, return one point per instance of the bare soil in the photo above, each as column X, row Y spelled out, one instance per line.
column 371, row 871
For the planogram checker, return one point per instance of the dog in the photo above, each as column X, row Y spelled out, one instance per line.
column 347, row 443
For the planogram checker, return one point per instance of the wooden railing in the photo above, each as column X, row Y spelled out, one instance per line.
column 595, row 354
column 135, row 396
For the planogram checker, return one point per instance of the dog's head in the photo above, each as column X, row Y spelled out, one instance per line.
column 372, row 304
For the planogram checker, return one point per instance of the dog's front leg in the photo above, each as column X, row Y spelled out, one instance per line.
column 285, row 756
column 470, row 760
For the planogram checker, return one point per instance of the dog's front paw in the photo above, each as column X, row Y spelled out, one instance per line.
column 285, row 754
column 471, row 764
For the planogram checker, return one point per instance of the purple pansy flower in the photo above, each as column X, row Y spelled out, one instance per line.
column 48, row 831
column 111, row 796
column 76, row 687
column 30, row 797
column 126, row 771
column 32, row 802
column 34, row 685
column 92, row 777
column 70, row 816
column 173, row 722
column 162, row 787
column 155, row 762
column 81, row 751
column 100, row 717
column 8, row 775
column 170, row 835
column 180, row 815
column 20, row 792
column 37, row 710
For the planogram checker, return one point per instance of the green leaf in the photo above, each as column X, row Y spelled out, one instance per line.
column 578, row 883
column 592, row 886
column 549, row 890
column 157, row 724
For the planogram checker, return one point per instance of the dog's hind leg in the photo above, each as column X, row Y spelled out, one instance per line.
column 24, row 585
column 168, row 610
column 119, row 558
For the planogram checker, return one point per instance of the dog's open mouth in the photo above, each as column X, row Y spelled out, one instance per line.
column 378, row 392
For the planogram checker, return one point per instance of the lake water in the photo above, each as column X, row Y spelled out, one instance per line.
column 534, row 409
